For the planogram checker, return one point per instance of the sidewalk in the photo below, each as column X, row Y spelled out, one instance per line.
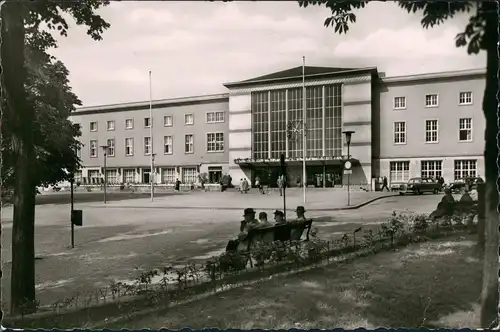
column 317, row 200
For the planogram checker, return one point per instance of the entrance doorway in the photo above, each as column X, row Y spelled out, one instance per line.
column 146, row 175
column 214, row 174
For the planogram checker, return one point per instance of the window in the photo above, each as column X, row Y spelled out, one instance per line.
column 110, row 125
column 188, row 119
column 77, row 176
column 465, row 130
column 215, row 142
column 399, row 103
column 79, row 152
column 147, row 122
column 129, row 123
column 431, row 131
column 189, row 144
column 465, row 168
column 168, row 175
column 93, row 126
column 111, row 147
column 189, row 175
column 129, row 175
column 93, row 148
column 431, row 168
column 112, row 176
column 400, row 132
column 129, row 146
column 215, row 117
column 465, row 98
column 431, row 100
column 94, row 176
column 400, row 171
column 168, row 142
column 167, row 121
column 147, row 145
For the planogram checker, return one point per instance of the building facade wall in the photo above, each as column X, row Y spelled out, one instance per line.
column 178, row 158
column 448, row 113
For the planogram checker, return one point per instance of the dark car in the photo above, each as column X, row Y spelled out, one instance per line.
column 459, row 186
column 418, row 186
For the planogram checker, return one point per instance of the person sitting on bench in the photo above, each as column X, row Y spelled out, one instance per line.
column 263, row 222
column 279, row 217
column 300, row 214
column 246, row 224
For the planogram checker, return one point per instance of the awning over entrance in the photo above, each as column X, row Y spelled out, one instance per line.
column 313, row 161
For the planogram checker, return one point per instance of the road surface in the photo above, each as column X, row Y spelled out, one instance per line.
column 115, row 243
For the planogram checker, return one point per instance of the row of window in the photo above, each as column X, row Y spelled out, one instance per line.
column 432, row 130
column 168, row 121
column 432, row 100
column 169, row 175
column 215, row 143
column 400, row 170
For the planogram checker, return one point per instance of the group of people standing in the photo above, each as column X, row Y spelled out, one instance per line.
column 249, row 222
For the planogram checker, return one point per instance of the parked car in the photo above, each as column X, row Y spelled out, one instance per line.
column 460, row 185
column 418, row 186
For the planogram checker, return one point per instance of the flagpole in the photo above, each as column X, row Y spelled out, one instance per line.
column 151, row 176
column 304, row 118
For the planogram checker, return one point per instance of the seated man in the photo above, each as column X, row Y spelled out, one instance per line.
column 279, row 217
column 263, row 222
column 296, row 233
column 246, row 224
column 300, row 215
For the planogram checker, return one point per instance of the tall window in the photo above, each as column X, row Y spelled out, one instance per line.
column 147, row 145
column 168, row 145
column 110, row 125
column 129, row 175
column 147, row 122
column 111, row 147
column 168, row 121
column 94, row 176
column 465, row 130
column 215, row 142
column 295, row 114
column 314, row 122
column 129, row 146
column 93, row 126
column 465, row 168
column 188, row 143
column 215, row 117
column 431, row 168
column 189, row 175
column 400, row 171
column 333, row 120
column 399, row 103
column 431, row 131
column 260, row 115
column 129, row 123
column 168, row 175
column 465, row 98
column 78, row 176
column 278, row 123
column 189, row 119
column 400, row 132
column 93, row 148
column 431, row 100
column 112, row 176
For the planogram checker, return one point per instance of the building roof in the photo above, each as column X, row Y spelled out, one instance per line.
column 296, row 73
column 465, row 73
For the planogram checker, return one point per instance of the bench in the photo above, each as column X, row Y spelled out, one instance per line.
column 282, row 233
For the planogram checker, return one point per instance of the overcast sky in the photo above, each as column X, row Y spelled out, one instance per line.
column 193, row 47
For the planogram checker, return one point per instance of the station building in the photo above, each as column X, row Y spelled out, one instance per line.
column 408, row 126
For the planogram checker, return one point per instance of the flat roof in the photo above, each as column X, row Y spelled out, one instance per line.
column 435, row 75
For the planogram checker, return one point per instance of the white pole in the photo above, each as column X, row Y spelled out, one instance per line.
column 304, row 118
column 151, row 176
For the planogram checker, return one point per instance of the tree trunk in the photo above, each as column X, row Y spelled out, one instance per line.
column 489, row 301
column 19, row 115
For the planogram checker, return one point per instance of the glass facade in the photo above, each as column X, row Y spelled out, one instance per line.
column 273, row 106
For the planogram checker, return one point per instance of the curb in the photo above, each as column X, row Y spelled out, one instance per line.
column 226, row 208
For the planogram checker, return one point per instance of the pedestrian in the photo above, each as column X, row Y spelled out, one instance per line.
column 384, row 184
column 299, row 182
column 177, row 185
column 240, row 188
column 245, row 185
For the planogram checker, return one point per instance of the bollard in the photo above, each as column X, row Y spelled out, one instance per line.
column 481, row 215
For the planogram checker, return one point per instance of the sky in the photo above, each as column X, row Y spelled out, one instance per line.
column 192, row 48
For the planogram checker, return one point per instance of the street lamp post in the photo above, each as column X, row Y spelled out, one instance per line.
column 295, row 130
column 152, row 176
column 348, row 136
column 105, row 150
